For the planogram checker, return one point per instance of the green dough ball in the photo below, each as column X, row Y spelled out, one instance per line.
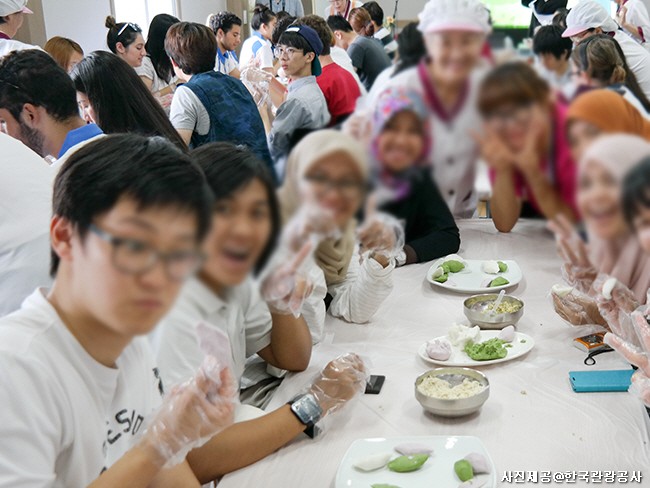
column 455, row 266
column 406, row 464
column 499, row 281
column 503, row 267
column 442, row 279
column 445, row 267
column 383, row 485
column 463, row 470
column 486, row 351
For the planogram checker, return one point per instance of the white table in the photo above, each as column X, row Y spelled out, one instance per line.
column 532, row 421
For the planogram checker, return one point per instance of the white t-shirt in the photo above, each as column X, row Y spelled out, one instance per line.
column 256, row 50
column 66, row 417
column 147, row 70
column 638, row 59
column 637, row 15
column 9, row 45
column 25, row 213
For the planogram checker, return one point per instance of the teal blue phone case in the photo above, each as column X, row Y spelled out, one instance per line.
column 596, row 381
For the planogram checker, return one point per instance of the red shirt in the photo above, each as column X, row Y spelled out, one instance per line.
column 340, row 89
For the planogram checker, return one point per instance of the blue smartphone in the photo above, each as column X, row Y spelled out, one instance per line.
column 597, row 381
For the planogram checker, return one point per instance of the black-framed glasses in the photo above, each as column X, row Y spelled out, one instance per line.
column 134, row 27
column 135, row 257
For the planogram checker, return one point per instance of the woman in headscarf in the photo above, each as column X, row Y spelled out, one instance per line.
column 612, row 249
column 599, row 112
column 327, row 180
column 401, row 148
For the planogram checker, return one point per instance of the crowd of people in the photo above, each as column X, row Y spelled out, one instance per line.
column 180, row 213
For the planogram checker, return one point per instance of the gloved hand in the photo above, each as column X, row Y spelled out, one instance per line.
column 312, row 223
column 192, row 413
column 637, row 353
column 617, row 309
column 340, row 381
column 359, row 126
column 577, row 269
column 254, row 74
column 578, row 309
column 380, row 233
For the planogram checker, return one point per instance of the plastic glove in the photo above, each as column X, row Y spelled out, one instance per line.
column 192, row 413
column 578, row 309
column 617, row 310
column 312, row 223
column 359, row 126
column 640, row 387
column 577, row 269
column 380, row 233
column 340, row 381
column 287, row 282
column 253, row 74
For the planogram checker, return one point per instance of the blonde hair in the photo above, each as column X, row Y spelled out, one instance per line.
column 61, row 49
column 361, row 22
column 600, row 59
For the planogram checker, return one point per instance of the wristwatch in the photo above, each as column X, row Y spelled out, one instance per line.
column 307, row 410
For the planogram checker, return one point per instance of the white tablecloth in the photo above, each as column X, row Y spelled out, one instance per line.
column 533, row 421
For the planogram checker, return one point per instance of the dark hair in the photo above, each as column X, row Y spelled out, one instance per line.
column 192, row 46
column 121, row 102
column 560, row 17
column 261, row 15
column 281, row 26
column 224, row 21
column 410, row 48
column 549, row 40
column 61, row 49
column 375, row 11
column 361, row 22
column 124, row 32
column 296, row 41
column 514, row 83
column 636, row 190
column 282, row 14
column 228, row 169
column 322, row 29
column 32, row 76
column 338, row 23
column 602, row 59
column 150, row 171
column 155, row 45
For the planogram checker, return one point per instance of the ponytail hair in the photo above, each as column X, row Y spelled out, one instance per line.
column 124, row 32
column 361, row 22
column 261, row 15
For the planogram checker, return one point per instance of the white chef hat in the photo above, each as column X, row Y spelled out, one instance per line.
column 446, row 15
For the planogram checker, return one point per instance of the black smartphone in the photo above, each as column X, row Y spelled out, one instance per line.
column 373, row 387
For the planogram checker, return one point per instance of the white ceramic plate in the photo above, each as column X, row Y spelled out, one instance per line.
column 471, row 279
column 438, row 471
column 459, row 358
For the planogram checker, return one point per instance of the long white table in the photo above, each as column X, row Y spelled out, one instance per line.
column 533, row 421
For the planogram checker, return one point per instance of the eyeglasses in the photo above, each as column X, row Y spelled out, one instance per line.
column 136, row 258
column 348, row 189
column 289, row 51
column 135, row 27
column 518, row 115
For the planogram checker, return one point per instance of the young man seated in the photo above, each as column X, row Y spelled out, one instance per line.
column 305, row 108
column 227, row 30
column 78, row 387
column 553, row 53
column 210, row 106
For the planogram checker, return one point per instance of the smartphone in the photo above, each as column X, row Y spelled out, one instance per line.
column 374, row 385
column 591, row 342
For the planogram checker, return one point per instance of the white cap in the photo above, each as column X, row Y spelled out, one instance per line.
column 462, row 15
column 586, row 15
column 8, row 7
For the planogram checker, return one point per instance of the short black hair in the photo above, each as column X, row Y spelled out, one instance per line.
column 338, row 23
column 636, row 190
column 228, row 169
column 32, row 76
column 322, row 29
column 296, row 41
column 124, row 32
column 261, row 15
column 282, row 25
column 375, row 11
column 224, row 21
column 121, row 102
column 150, row 171
column 192, row 46
column 549, row 40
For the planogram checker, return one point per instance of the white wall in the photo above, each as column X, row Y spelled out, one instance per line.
column 198, row 10
column 80, row 20
column 408, row 9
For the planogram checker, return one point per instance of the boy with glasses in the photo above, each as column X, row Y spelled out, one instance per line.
column 78, row 388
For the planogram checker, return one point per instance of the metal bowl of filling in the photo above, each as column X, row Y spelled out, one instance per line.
column 478, row 309
column 452, row 392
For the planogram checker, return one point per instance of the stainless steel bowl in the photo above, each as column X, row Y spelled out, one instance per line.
column 475, row 309
column 457, row 407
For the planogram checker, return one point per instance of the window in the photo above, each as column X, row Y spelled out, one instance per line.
column 142, row 11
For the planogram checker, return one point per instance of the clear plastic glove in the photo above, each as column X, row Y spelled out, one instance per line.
column 380, row 233
column 577, row 269
column 359, row 126
column 340, row 381
column 192, row 413
column 311, row 223
column 617, row 309
column 578, row 309
column 253, row 74
column 287, row 282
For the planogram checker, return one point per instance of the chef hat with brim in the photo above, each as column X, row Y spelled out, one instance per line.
column 8, row 7
column 586, row 15
column 454, row 15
